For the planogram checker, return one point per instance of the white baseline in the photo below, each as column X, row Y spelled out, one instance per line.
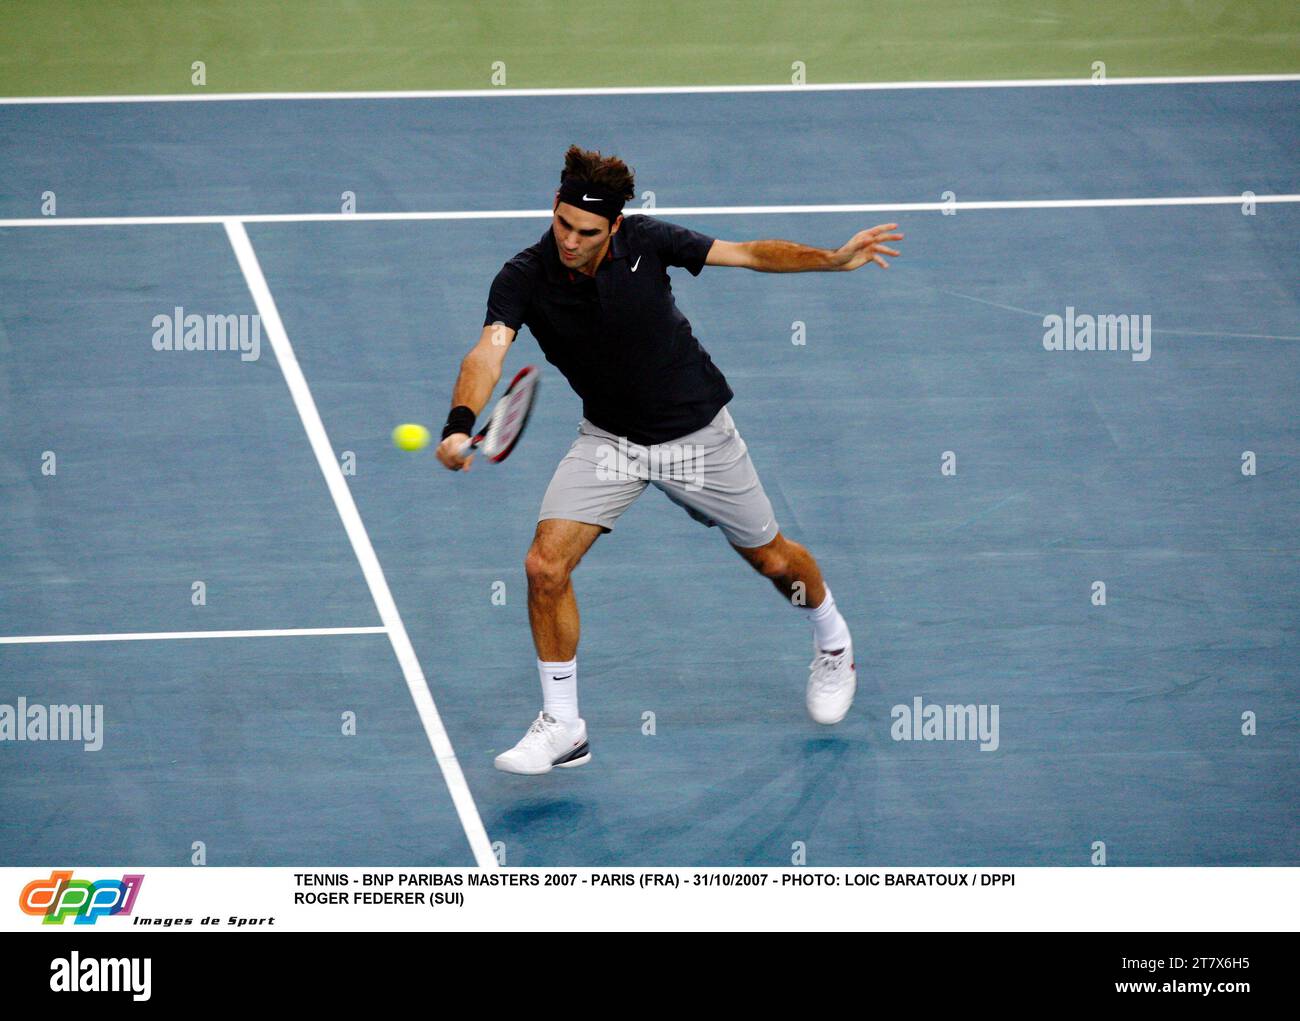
column 545, row 214
column 155, row 636
column 662, row 90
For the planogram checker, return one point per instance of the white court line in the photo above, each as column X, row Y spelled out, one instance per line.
column 545, row 214
column 154, row 636
column 663, row 90
column 365, row 552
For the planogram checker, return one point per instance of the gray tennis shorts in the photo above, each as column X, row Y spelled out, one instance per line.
column 707, row 472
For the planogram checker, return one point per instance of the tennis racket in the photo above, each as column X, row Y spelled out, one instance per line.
column 509, row 417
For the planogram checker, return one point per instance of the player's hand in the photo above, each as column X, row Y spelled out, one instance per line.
column 868, row 246
column 449, row 452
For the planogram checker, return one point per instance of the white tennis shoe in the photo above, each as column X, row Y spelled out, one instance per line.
column 548, row 743
column 832, row 681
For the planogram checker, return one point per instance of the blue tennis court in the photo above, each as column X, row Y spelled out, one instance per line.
column 963, row 487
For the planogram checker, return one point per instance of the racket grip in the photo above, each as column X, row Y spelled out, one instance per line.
column 466, row 450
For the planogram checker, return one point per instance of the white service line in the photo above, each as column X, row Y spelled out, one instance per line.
column 664, row 90
column 154, row 636
column 365, row 552
column 545, row 214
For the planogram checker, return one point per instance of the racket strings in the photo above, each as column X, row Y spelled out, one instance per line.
column 509, row 416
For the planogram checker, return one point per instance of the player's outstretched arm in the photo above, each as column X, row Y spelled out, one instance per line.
column 865, row 247
column 479, row 372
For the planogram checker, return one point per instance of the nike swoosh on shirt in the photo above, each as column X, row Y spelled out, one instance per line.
column 636, row 264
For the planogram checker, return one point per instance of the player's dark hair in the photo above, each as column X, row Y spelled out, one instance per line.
column 608, row 172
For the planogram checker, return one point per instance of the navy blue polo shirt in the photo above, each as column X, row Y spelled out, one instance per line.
column 618, row 337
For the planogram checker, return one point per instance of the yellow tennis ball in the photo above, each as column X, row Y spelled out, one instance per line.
column 410, row 436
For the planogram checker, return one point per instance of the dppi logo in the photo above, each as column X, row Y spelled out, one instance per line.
column 60, row 896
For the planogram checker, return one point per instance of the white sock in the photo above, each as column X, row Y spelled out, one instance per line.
column 560, row 689
column 830, row 630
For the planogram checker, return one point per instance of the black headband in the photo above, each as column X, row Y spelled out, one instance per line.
column 594, row 199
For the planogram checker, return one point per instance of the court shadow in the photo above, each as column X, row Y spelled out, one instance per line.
column 555, row 831
column 820, row 788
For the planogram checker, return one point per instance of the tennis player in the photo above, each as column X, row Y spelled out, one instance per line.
column 594, row 291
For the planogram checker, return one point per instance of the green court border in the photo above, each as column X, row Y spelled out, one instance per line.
column 149, row 47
